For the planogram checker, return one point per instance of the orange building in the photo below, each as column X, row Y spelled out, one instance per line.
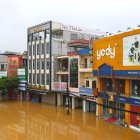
column 116, row 64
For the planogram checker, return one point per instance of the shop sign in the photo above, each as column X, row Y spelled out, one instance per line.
column 85, row 90
column 60, row 86
column 110, row 51
column 134, row 101
column 103, row 95
column 71, row 28
column 121, row 99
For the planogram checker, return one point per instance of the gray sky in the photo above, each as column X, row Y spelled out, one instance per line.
column 106, row 15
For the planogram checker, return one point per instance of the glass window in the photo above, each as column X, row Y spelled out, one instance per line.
column 42, row 64
column 38, row 79
column 42, row 79
column 33, row 78
column 36, row 36
column 109, row 85
column 33, row 64
column 48, row 64
column 30, row 50
column 30, row 38
column 41, row 34
column 34, row 49
column 2, row 66
column 47, row 48
column 87, row 83
column 30, row 78
column 38, row 49
column 38, row 64
column 74, row 36
column 135, row 88
column 64, row 78
column 46, row 33
column 74, row 72
column 30, row 64
column 47, row 79
column 93, row 84
column 42, row 49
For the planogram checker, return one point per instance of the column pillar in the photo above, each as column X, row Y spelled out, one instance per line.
column 73, row 102
column 21, row 95
column 127, row 106
column 84, row 105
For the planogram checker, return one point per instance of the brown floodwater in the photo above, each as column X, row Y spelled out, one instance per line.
column 34, row 121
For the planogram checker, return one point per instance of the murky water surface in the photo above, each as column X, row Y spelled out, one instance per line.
column 33, row 121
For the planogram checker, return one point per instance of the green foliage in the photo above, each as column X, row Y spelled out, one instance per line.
column 7, row 83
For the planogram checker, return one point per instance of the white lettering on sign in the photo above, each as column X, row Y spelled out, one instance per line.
column 108, row 52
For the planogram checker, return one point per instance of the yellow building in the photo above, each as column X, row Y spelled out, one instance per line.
column 116, row 64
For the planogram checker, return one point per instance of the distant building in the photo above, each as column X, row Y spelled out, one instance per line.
column 46, row 41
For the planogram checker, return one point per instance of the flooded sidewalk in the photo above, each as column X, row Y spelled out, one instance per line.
column 34, row 121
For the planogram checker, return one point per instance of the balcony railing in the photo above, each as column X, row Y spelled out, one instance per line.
column 63, row 70
column 85, row 66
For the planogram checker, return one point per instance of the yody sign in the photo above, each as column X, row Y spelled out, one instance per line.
column 109, row 51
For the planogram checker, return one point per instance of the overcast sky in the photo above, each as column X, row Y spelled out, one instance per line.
column 107, row 15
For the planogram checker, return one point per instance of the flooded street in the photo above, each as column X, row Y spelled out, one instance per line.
column 34, row 121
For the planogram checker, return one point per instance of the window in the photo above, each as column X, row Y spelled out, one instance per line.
column 135, row 88
column 85, row 63
column 64, row 78
column 42, row 49
column 93, row 84
column 73, row 36
column 42, row 64
column 46, row 33
column 30, row 50
column 30, row 64
column 87, row 83
column 33, row 64
column 38, row 64
column 38, row 49
column 48, row 64
column 30, row 78
column 74, row 73
column 33, row 78
column 109, row 85
column 42, row 79
column 47, row 48
column 41, row 34
column 38, row 79
column 47, row 79
column 34, row 47
column 30, row 38
column 2, row 67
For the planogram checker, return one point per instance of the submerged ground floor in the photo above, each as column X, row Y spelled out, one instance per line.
column 28, row 120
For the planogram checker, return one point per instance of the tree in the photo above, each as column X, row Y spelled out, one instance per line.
column 7, row 83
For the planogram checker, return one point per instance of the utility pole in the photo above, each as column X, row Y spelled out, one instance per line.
column 67, row 97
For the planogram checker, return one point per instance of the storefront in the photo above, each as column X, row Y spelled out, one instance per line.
column 116, row 64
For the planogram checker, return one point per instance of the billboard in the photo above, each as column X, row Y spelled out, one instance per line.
column 131, row 50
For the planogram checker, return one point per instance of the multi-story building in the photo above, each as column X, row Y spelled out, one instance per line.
column 46, row 41
column 116, row 64
column 10, row 62
column 3, row 66
column 75, row 69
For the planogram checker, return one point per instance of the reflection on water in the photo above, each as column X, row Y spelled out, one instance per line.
column 32, row 121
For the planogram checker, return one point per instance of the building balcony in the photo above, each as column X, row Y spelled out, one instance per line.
column 85, row 68
column 62, row 71
column 79, row 43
